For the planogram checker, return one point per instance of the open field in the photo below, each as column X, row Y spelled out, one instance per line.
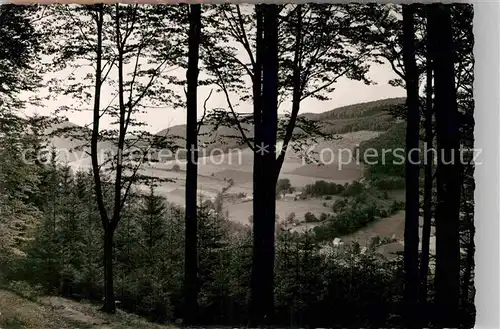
column 240, row 212
column 390, row 227
column 335, row 160
column 215, row 173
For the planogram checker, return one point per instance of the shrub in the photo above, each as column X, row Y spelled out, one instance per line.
column 283, row 186
column 388, row 183
column 323, row 217
column 321, row 187
column 389, row 164
column 176, row 168
column 396, row 206
column 353, row 189
column 339, row 205
column 361, row 198
column 309, row 217
column 385, row 195
column 291, row 218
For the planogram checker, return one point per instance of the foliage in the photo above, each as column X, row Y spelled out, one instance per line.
column 354, row 213
column 321, row 188
column 385, row 154
column 20, row 47
column 388, row 183
column 50, row 227
column 284, row 186
column 372, row 116
column 353, row 189
column 339, row 205
column 309, row 217
column 65, row 258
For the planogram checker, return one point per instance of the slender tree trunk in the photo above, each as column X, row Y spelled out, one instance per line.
column 428, row 182
column 254, row 307
column 109, row 294
column 448, row 169
column 412, row 169
column 109, row 299
column 191, row 242
column 96, row 117
column 262, row 285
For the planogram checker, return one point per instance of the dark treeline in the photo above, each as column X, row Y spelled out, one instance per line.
column 97, row 235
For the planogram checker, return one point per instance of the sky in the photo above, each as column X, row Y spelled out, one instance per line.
column 347, row 92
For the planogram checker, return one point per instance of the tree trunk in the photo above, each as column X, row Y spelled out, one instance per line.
column 469, row 264
column 262, row 284
column 191, row 242
column 109, row 298
column 109, row 295
column 428, row 182
column 448, row 169
column 412, row 169
column 257, row 174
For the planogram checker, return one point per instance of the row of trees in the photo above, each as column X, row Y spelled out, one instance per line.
column 446, row 61
column 433, row 49
column 64, row 256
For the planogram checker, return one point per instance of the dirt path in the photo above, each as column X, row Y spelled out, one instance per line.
column 17, row 312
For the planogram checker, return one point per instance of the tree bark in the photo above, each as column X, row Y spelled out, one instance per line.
column 412, row 169
column 262, row 281
column 469, row 264
column 447, row 280
column 257, row 171
column 109, row 295
column 96, row 116
column 109, row 298
column 191, row 242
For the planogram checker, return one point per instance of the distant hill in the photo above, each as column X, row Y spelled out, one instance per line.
column 223, row 137
column 358, row 110
column 369, row 116
column 372, row 116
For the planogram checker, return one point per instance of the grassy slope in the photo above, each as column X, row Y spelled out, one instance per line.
column 19, row 312
column 392, row 226
column 392, row 139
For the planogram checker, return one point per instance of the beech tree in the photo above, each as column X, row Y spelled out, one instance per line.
column 309, row 67
column 428, row 178
column 412, row 167
column 191, row 242
column 449, row 175
column 125, row 48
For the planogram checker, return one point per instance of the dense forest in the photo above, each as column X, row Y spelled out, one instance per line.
column 99, row 235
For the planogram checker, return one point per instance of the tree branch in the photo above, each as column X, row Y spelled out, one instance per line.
column 200, row 123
